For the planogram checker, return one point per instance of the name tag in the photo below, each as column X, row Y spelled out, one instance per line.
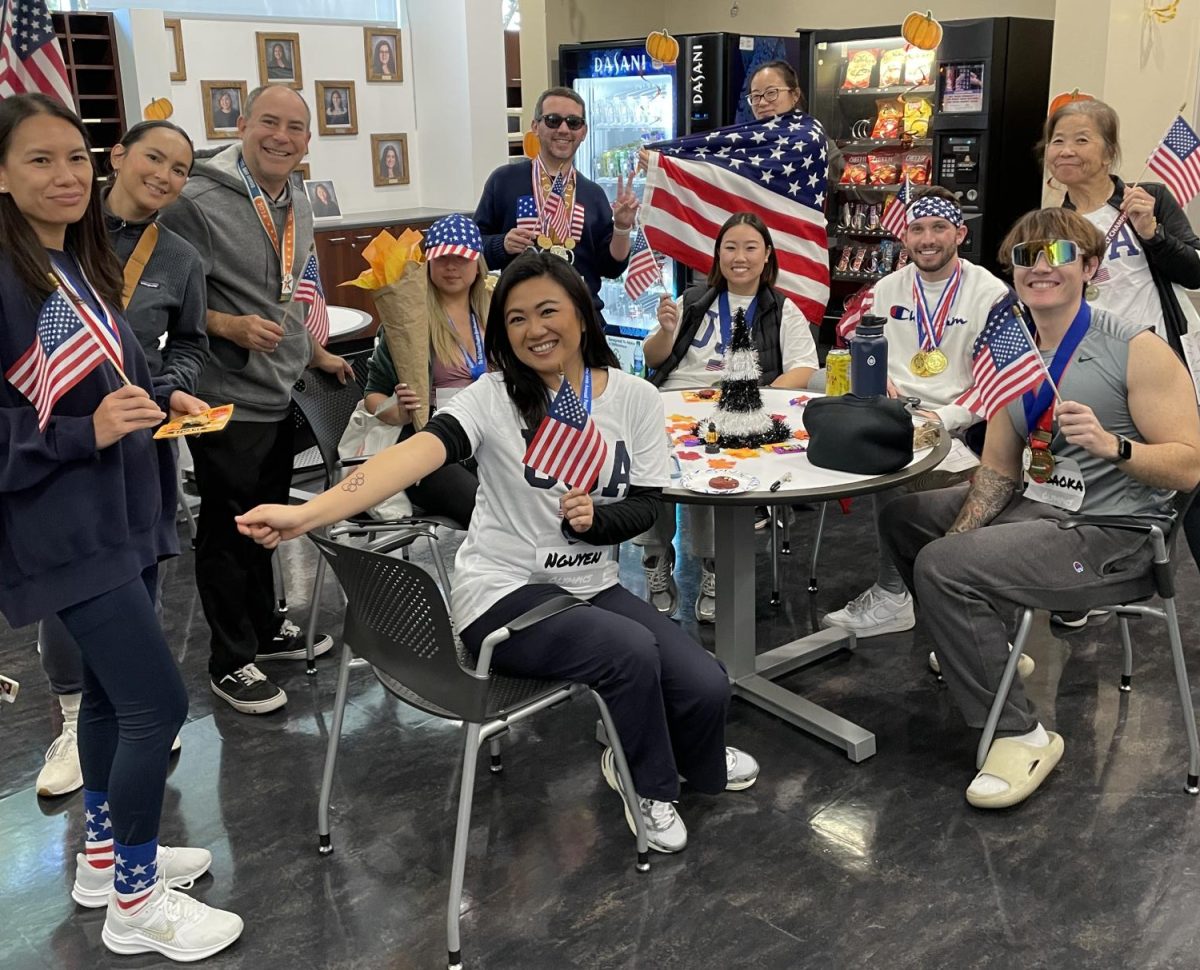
column 1064, row 489
column 575, row 566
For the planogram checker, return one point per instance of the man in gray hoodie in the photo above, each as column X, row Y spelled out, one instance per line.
column 254, row 236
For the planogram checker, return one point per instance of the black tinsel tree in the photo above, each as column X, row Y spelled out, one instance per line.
column 740, row 418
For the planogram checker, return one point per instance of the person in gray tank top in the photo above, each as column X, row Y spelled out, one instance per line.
column 1121, row 437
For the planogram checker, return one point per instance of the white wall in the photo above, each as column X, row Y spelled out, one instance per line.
column 759, row 17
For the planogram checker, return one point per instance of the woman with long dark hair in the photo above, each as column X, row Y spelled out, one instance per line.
column 84, row 487
column 668, row 696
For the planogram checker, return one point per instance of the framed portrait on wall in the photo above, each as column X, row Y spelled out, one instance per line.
column 382, row 49
column 323, row 197
column 223, row 102
column 279, row 59
column 337, row 112
column 389, row 159
column 175, row 48
column 300, row 174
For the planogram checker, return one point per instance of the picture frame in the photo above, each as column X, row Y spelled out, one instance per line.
column 336, row 108
column 385, row 170
column 323, row 197
column 279, row 58
column 174, row 30
column 220, row 117
column 301, row 174
column 381, row 47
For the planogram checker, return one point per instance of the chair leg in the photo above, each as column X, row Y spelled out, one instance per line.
column 628, row 791
column 440, row 565
column 816, row 549
column 1010, row 671
column 280, row 589
column 1185, row 696
column 1127, row 645
column 310, row 661
column 462, row 831
column 497, row 758
column 775, row 530
column 325, row 846
column 182, row 498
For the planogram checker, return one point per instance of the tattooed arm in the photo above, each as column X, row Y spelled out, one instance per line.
column 996, row 481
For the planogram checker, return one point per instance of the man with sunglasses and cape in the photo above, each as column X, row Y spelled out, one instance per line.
column 544, row 203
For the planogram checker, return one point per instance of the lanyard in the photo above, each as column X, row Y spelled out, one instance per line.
column 478, row 365
column 727, row 318
column 286, row 252
column 931, row 327
column 1037, row 407
column 106, row 332
column 585, row 390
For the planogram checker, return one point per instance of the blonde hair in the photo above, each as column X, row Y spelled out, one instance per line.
column 441, row 331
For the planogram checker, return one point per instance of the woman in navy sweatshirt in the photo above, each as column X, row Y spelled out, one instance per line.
column 82, row 488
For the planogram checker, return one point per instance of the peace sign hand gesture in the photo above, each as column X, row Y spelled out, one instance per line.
column 625, row 205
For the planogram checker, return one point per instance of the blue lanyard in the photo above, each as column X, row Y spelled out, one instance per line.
column 1037, row 405
column 727, row 319
column 585, row 389
column 478, row 365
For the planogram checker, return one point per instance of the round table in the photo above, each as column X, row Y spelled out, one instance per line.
column 346, row 321
column 752, row 674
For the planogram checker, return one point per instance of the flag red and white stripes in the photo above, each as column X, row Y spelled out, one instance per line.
column 644, row 270
column 1006, row 364
column 309, row 291
column 568, row 445
column 30, row 58
column 1176, row 161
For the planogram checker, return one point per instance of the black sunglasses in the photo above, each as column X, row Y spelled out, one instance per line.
column 574, row 122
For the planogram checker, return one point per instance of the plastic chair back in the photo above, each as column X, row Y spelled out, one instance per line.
column 326, row 405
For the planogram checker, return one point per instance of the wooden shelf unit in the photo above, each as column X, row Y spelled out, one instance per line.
column 89, row 47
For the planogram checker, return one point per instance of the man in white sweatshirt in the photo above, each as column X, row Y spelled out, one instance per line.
column 935, row 308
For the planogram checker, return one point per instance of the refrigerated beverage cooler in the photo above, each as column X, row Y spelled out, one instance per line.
column 966, row 116
column 632, row 101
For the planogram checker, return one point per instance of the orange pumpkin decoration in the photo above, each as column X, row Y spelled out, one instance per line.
column 921, row 30
column 531, row 144
column 159, row 109
column 662, row 47
column 1068, row 97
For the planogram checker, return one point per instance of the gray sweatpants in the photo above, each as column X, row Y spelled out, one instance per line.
column 969, row 587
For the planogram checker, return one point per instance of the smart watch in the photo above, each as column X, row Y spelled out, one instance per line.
column 1124, row 448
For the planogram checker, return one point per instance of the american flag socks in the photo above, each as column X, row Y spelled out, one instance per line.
column 98, row 832
column 136, row 873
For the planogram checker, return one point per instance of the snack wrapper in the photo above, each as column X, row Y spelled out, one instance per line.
column 404, row 319
column 917, row 112
column 891, row 68
column 857, row 170
column 859, row 67
column 918, row 66
column 214, row 419
column 889, row 118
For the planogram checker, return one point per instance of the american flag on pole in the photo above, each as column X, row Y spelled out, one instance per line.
column 1006, row 363
column 645, row 267
column 309, row 291
column 895, row 216
column 1176, row 161
column 64, row 351
column 30, row 58
column 568, row 445
column 775, row 168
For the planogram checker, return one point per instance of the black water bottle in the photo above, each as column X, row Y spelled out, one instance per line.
column 869, row 358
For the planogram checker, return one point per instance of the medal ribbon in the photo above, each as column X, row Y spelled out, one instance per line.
column 286, row 252
column 567, row 212
column 727, row 318
column 1103, row 275
column 478, row 365
column 1037, row 406
column 105, row 331
column 585, row 390
column 932, row 327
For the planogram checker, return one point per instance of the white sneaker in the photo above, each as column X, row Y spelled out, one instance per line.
column 661, row 591
column 1025, row 666
column 741, row 770
column 874, row 613
column 170, row 923
column 665, row 831
column 179, row 867
column 61, row 772
column 706, row 601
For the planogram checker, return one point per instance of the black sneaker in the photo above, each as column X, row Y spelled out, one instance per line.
column 248, row 690
column 288, row 644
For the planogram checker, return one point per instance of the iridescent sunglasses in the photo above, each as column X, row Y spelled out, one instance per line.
column 1058, row 252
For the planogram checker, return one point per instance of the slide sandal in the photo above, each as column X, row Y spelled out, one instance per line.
column 1023, row 766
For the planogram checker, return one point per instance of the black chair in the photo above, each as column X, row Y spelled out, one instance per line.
column 396, row 620
column 1131, row 595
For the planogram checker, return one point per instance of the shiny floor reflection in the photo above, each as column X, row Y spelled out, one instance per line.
column 823, row 864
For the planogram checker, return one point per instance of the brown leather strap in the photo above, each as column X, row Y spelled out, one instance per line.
column 137, row 262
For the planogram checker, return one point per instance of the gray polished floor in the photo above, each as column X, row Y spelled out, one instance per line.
column 823, row 864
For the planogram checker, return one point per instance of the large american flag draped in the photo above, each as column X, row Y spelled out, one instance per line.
column 30, row 58
column 63, row 353
column 309, row 291
column 1176, row 161
column 1006, row 363
column 645, row 267
column 568, row 445
column 775, row 168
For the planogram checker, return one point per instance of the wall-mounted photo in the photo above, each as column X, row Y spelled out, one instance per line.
column 324, row 199
column 279, row 59
column 175, row 48
column 301, row 174
column 337, row 113
column 223, row 102
column 382, row 48
column 389, row 159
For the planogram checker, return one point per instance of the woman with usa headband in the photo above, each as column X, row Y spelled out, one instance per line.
column 83, row 487
column 457, row 301
column 1114, row 436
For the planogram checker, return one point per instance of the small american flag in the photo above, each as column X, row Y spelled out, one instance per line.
column 527, row 214
column 568, row 445
column 645, row 268
column 1176, row 161
column 30, row 58
column 895, row 216
column 1006, row 363
column 856, row 306
column 63, row 353
column 309, row 291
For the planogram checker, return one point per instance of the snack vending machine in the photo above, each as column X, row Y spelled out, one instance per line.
column 966, row 116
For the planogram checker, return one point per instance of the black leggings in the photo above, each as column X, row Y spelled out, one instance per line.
column 134, row 703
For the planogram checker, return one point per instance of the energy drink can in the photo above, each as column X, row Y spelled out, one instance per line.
column 837, row 372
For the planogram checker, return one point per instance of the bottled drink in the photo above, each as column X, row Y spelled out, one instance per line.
column 869, row 358
column 639, row 360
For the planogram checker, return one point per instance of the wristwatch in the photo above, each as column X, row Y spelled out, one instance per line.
column 1124, row 448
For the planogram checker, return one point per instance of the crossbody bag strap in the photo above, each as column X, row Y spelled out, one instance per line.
column 136, row 264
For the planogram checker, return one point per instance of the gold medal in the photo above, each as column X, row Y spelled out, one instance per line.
column 562, row 252
column 935, row 362
column 1091, row 293
column 1040, row 464
column 570, row 244
column 544, row 241
column 918, row 364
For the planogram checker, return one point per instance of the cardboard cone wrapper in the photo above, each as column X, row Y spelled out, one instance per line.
column 404, row 318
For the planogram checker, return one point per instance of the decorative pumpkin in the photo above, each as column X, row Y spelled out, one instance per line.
column 531, row 144
column 662, row 47
column 159, row 109
column 921, row 30
column 1067, row 98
